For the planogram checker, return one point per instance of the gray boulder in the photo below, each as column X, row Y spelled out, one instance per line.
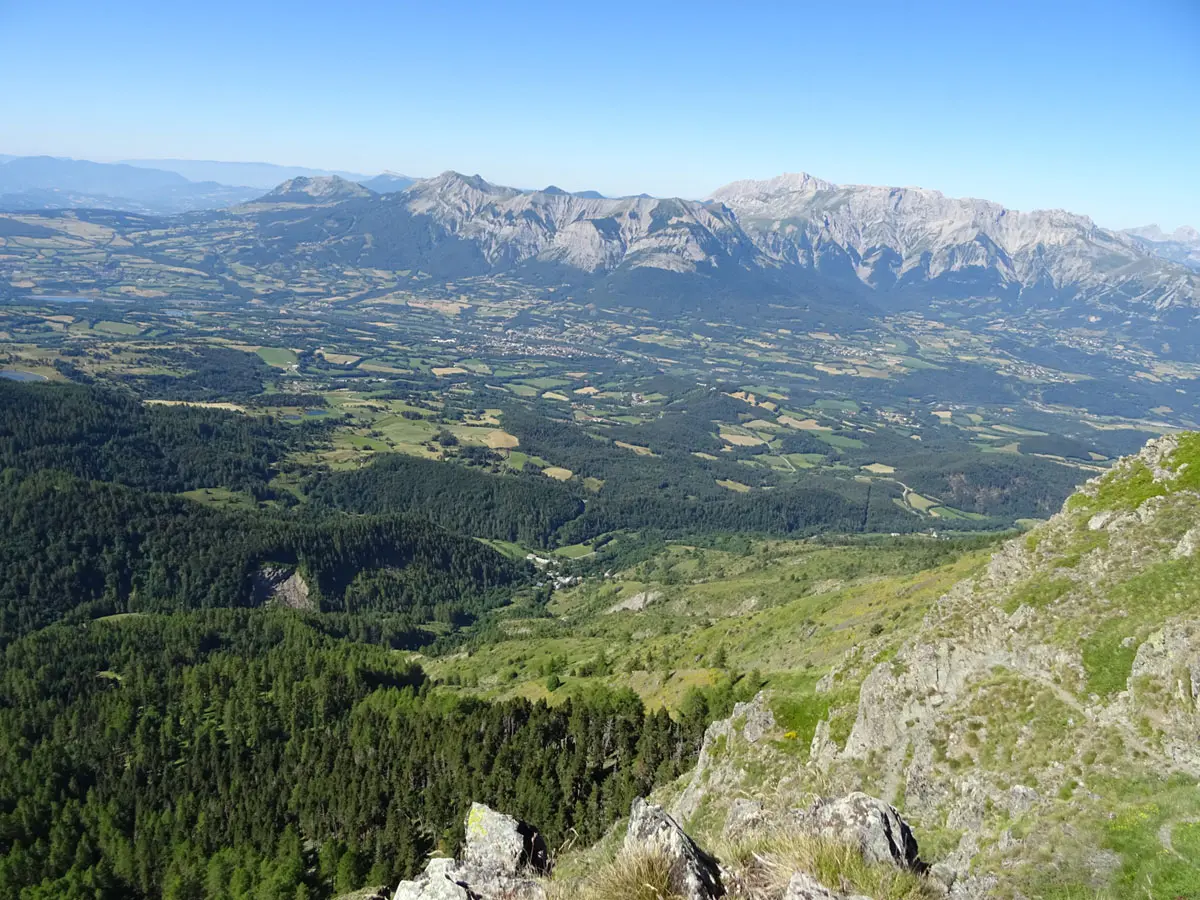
column 695, row 874
column 438, row 882
column 804, row 887
column 868, row 823
column 501, row 854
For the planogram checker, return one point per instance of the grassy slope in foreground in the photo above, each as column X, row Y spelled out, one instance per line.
column 1039, row 726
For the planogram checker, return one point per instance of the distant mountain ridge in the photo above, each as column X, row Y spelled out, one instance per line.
column 387, row 183
column 915, row 240
column 1181, row 246
column 251, row 174
column 589, row 234
column 47, row 182
column 179, row 186
column 320, row 189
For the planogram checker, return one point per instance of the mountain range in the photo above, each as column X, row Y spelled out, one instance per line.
column 792, row 240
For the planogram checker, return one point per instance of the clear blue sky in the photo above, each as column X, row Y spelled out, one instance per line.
column 1091, row 106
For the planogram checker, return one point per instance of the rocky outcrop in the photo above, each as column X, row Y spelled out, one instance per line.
column 438, row 882
column 637, row 602
column 747, row 725
column 694, row 874
column 502, row 860
column 865, row 822
column 282, row 586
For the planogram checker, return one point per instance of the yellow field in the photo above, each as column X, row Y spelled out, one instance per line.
column 832, row 370
column 587, row 391
column 636, row 448
column 916, row 501
column 341, row 359
column 736, row 486
column 558, row 473
column 445, row 307
column 501, row 440
column 443, row 371
column 879, row 469
column 204, row 403
column 741, row 440
column 803, row 424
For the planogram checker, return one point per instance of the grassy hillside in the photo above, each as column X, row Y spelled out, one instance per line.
column 1037, row 725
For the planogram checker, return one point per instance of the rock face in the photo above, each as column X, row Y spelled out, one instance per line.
column 501, row 856
column 592, row 234
column 695, row 874
column 867, row 823
column 282, row 586
column 636, row 602
column 893, row 238
column 714, row 772
column 439, row 882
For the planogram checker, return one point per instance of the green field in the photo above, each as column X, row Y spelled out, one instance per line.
column 280, row 357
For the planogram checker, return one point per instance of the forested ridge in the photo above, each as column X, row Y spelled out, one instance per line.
column 133, row 551
column 102, row 434
column 238, row 754
column 524, row 508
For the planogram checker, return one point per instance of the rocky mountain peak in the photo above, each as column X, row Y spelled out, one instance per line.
column 748, row 194
column 453, row 196
column 315, row 189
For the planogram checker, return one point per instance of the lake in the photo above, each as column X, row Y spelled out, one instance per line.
column 15, row 375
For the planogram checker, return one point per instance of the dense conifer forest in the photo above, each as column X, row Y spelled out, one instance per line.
column 237, row 754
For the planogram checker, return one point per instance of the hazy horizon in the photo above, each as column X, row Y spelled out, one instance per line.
column 1079, row 106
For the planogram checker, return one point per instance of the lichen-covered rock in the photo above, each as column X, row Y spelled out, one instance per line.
column 502, row 845
column 694, row 874
column 868, row 823
column 804, row 887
